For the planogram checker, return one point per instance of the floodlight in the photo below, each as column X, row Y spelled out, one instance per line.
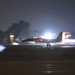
column 2, row 48
column 47, row 36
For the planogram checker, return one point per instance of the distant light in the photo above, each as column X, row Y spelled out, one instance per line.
column 2, row 48
column 11, row 36
column 14, row 43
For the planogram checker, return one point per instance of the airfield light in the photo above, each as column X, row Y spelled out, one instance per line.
column 11, row 38
column 14, row 43
column 2, row 48
column 48, row 36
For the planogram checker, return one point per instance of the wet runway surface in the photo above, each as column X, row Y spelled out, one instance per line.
column 21, row 60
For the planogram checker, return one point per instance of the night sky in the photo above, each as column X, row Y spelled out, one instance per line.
column 52, row 15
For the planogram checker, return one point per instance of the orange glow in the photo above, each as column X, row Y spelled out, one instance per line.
column 38, row 40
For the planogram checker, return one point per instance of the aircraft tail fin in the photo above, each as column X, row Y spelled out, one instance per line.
column 59, row 37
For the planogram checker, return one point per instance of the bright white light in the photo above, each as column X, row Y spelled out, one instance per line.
column 14, row 43
column 12, row 36
column 2, row 48
column 47, row 36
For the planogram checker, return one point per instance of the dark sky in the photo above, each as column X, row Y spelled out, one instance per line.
column 53, row 15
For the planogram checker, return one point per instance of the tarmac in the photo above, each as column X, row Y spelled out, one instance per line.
column 30, row 60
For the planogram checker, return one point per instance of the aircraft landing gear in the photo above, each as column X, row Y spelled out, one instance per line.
column 48, row 45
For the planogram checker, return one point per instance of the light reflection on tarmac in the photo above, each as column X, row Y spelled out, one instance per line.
column 67, row 46
column 37, row 68
column 59, row 46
